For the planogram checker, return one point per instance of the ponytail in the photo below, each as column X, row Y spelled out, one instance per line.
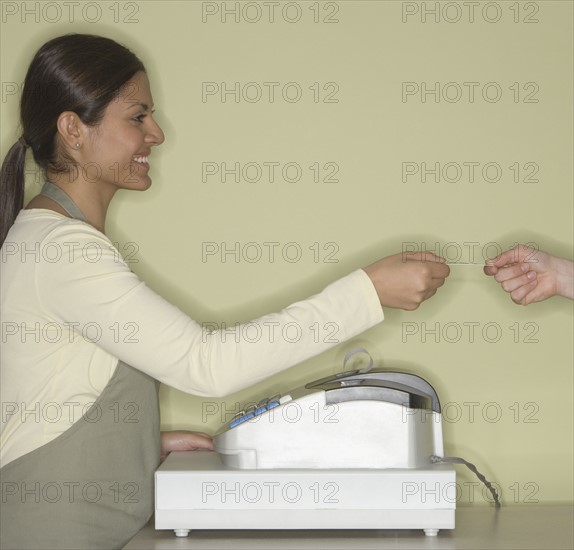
column 12, row 186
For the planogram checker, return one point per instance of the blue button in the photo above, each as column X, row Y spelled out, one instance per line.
column 250, row 415
column 241, row 419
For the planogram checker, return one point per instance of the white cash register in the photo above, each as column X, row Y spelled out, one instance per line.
column 357, row 450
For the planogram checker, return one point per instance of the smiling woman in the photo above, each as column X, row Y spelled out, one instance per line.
column 64, row 109
column 117, row 149
column 86, row 118
column 79, row 433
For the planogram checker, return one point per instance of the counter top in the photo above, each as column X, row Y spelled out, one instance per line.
column 477, row 527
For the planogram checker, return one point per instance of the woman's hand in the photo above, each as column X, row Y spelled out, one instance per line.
column 404, row 280
column 531, row 275
column 182, row 440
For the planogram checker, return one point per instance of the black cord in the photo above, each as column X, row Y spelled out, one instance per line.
column 470, row 466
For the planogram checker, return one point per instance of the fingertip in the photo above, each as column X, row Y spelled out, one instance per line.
column 492, row 261
column 518, row 300
column 499, row 277
column 526, row 293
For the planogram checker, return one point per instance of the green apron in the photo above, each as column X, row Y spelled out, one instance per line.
column 92, row 486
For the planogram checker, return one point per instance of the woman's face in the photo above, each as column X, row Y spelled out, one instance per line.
column 117, row 150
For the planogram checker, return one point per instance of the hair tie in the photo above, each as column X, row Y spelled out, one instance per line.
column 23, row 142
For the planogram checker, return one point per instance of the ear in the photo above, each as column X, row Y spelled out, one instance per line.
column 70, row 128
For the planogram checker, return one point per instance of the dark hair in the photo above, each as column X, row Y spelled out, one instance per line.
column 81, row 73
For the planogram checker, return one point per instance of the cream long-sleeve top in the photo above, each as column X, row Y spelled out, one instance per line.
column 71, row 308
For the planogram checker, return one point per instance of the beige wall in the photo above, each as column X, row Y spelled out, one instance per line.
column 507, row 388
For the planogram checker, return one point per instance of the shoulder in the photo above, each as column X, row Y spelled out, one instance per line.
column 46, row 236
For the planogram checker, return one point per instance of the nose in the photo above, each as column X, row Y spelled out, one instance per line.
column 155, row 134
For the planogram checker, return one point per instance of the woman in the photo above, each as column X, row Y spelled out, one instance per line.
column 80, row 426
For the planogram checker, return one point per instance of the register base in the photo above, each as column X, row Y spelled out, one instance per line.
column 195, row 490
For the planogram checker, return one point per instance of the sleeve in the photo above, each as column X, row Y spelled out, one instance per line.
column 91, row 288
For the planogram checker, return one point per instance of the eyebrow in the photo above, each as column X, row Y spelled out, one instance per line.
column 144, row 106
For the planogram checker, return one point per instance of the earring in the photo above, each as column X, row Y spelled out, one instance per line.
column 77, row 145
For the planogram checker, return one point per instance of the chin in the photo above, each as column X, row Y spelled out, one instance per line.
column 144, row 187
column 143, row 184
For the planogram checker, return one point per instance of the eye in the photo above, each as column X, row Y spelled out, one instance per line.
column 140, row 117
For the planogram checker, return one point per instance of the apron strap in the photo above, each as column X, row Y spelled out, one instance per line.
column 59, row 196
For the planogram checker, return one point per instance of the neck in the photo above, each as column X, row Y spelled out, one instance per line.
column 92, row 198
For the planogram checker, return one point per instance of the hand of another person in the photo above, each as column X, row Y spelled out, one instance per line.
column 531, row 275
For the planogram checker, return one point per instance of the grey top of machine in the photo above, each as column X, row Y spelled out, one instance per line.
column 394, row 387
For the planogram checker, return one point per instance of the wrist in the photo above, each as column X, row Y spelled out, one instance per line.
column 565, row 278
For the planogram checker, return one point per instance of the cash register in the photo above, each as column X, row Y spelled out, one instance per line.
column 356, row 450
